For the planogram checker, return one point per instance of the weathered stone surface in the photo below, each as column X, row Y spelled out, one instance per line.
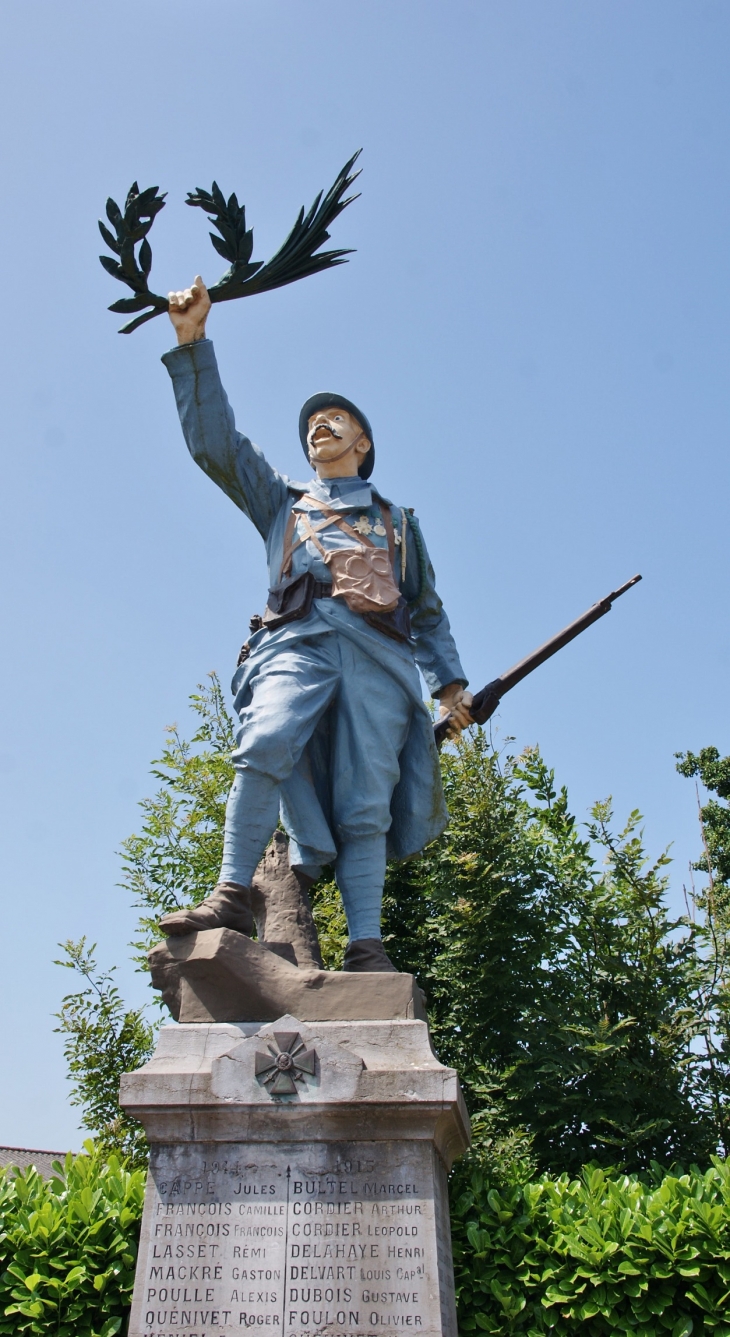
column 281, row 908
column 219, row 975
column 319, row 1211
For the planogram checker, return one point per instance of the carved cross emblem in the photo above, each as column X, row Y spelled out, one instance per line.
column 287, row 1062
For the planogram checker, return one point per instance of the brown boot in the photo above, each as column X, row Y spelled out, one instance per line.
column 228, row 906
column 367, row 955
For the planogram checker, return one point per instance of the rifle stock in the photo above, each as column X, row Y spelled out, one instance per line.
column 486, row 701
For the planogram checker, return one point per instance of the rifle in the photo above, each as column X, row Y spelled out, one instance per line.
column 485, row 702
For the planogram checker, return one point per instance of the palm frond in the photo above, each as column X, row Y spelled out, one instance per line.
column 295, row 259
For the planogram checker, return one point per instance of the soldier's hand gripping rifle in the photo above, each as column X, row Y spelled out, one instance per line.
column 485, row 702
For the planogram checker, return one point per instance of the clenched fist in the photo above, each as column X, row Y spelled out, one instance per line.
column 455, row 701
column 189, row 311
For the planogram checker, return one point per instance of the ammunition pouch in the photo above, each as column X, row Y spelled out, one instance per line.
column 292, row 599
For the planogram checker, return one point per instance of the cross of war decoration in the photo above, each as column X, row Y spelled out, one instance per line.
column 296, row 259
column 287, row 1062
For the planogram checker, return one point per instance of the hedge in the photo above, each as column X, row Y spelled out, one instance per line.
column 68, row 1247
column 602, row 1254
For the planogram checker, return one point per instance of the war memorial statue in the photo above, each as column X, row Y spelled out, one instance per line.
column 333, row 735
column 300, row 1126
column 334, row 738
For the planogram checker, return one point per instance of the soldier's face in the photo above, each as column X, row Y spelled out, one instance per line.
column 331, row 430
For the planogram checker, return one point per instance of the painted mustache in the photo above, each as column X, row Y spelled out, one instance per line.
column 328, row 427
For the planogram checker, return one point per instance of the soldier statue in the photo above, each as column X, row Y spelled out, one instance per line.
column 333, row 734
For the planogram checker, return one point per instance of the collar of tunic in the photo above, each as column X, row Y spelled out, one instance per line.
column 340, row 494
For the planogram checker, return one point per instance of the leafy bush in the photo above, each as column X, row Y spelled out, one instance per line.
column 68, row 1247
column 602, row 1254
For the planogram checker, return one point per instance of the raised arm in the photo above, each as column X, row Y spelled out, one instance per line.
column 230, row 459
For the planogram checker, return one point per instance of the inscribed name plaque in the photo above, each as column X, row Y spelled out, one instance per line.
column 336, row 1238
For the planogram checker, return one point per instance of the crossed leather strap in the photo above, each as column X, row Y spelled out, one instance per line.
column 331, row 518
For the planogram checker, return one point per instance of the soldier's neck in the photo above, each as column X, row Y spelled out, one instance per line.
column 344, row 468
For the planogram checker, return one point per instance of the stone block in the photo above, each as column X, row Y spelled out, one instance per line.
column 281, row 908
column 218, row 975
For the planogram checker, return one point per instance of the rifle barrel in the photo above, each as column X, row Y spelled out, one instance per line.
column 532, row 661
column 486, row 701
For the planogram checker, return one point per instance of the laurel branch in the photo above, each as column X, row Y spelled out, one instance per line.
column 296, row 259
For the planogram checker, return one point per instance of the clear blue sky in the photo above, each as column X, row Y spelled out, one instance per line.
column 537, row 321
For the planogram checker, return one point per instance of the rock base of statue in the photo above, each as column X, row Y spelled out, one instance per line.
column 297, row 1179
column 219, row 975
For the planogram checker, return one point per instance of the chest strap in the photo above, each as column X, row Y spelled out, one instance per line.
column 331, row 518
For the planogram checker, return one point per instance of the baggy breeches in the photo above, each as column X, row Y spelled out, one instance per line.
column 325, row 717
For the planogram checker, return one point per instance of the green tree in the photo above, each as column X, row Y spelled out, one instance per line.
column 714, row 773
column 175, row 859
column 103, row 1040
column 710, row 911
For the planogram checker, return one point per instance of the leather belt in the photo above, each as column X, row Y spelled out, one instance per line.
column 322, row 589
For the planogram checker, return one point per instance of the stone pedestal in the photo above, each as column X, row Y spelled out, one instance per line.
column 297, row 1180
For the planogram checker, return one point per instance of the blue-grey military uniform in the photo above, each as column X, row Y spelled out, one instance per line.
column 334, row 735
